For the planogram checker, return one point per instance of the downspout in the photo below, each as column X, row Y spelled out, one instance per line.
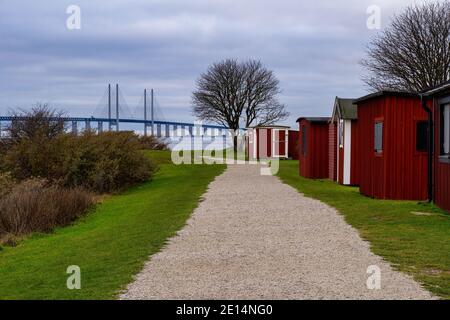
column 430, row 147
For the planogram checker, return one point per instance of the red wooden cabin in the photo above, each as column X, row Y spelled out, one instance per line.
column 345, row 142
column 314, row 147
column 439, row 100
column 392, row 128
column 265, row 142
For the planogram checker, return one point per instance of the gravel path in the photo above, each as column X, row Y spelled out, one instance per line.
column 254, row 237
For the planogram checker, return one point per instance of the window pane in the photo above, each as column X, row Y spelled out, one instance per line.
column 378, row 137
column 422, row 136
column 341, row 133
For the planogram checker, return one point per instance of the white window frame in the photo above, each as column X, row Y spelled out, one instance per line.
column 276, row 140
column 341, row 129
column 378, row 150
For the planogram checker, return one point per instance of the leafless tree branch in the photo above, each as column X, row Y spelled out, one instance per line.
column 231, row 93
column 413, row 53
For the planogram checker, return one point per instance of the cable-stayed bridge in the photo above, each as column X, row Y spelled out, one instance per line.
column 112, row 111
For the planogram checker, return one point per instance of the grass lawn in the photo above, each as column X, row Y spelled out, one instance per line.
column 416, row 244
column 112, row 243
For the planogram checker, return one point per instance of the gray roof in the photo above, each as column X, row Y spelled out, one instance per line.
column 314, row 119
column 386, row 93
column 436, row 89
column 345, row 109
column 270, row 126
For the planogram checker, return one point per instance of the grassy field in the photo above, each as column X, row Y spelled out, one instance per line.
column 417, row 244
column 111, row 244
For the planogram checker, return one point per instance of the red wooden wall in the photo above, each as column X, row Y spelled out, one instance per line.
column 314, row 164
column 293, row 144
column 264, row 142
column 332, row 142
column 400, row 172
column 441, row 169
column 264, row 150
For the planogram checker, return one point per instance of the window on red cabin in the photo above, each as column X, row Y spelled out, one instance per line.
column 445, row 130
column 378, row 141
column 304, row 141
column 341, row 133
column 422, row 136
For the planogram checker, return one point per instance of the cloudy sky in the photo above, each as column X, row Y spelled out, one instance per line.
column 313, row 47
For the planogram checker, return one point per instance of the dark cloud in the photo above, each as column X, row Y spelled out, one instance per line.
column 313, row 46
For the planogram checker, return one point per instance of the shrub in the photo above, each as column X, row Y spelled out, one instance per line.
column 29, row 148
column 41, row 122
column 153, row 143
column 104, row 162
column 35, row 157
column 38, row 147
column 35, row 206
column 6, row 183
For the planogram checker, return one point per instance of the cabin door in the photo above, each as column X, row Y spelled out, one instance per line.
column 280, row 141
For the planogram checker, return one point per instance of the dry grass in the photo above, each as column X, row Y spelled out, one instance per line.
column 34, row 206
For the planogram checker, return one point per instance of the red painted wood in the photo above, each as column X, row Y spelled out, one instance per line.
column 263, row 137
column 332, row 162
column 280, row 142
column 441, row 174
column 293, row 144
column 399, row 172
column 263, row 148
column 314, row 164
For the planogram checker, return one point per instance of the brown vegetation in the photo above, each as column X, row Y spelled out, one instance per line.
column 49, row 178
column 35, row 206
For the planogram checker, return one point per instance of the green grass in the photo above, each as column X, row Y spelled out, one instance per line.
column 111, row 244
column 416, row 244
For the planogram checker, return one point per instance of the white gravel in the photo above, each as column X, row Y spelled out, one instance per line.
column 254, row 237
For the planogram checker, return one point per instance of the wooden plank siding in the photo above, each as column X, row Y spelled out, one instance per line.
column 441, row 170
column 399, row 172
column 293, row 145
column 332, row 143
column 314, row 159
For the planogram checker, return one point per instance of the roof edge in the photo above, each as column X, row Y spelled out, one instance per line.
column 314, row 119
column 435, row 89
column 386, row 93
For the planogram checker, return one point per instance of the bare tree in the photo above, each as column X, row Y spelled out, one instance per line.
column 232, row 93
column 413, row 53
column 40, row 122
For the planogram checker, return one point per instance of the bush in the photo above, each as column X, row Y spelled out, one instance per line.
column 37, row 157
column 35, row 206
column 6, row 183
column 38, row 147
column 104, row 162
column 29, row 148
column 153, row 143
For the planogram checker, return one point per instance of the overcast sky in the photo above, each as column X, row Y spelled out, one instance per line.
column 312, row 46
